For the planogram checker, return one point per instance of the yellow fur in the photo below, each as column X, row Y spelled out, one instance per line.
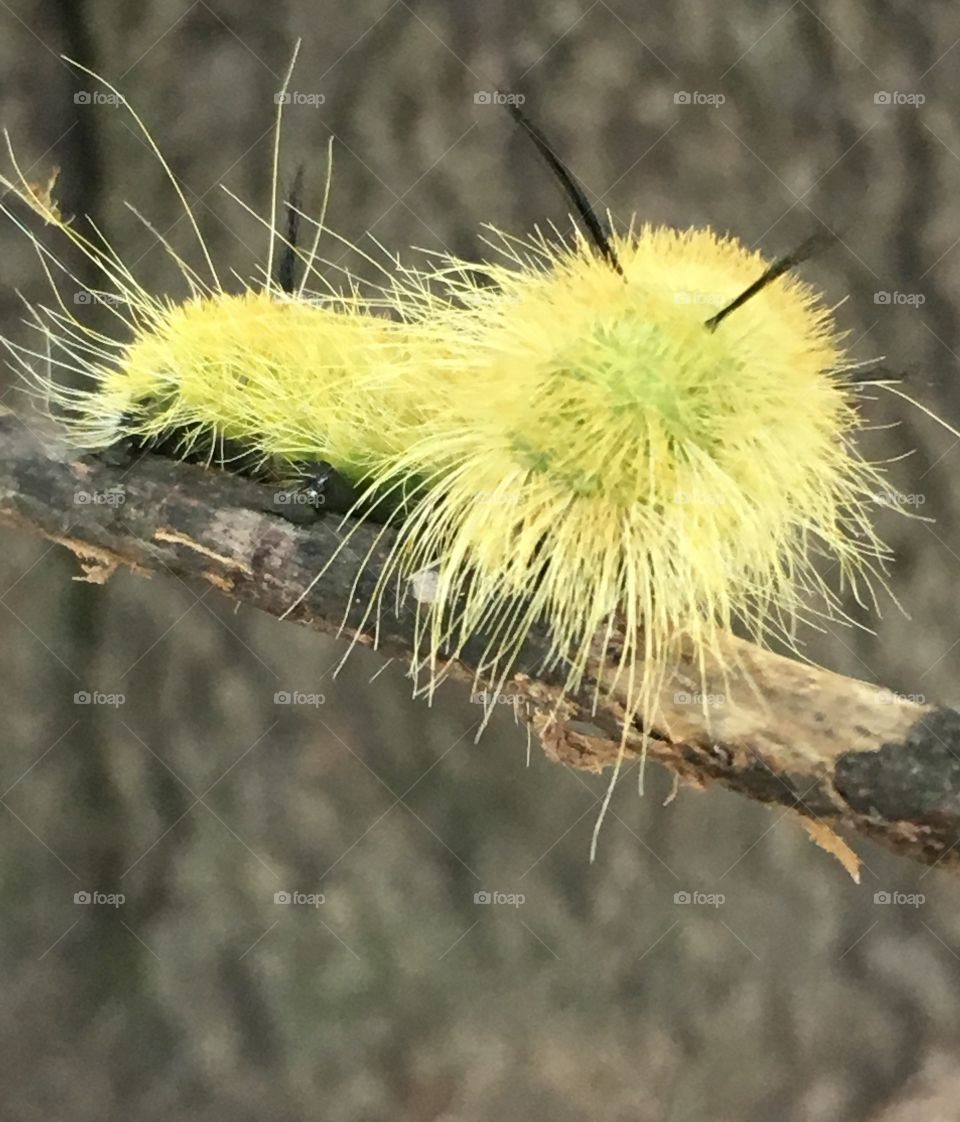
column 597, row 450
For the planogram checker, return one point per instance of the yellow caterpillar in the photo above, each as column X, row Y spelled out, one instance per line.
column 578, row 440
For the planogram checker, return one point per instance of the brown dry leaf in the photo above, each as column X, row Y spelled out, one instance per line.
column 821, row 834
column 43, row 202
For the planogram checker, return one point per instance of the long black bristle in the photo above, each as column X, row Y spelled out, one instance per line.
column 574, row 192
column 776, row 269
column 287, row 266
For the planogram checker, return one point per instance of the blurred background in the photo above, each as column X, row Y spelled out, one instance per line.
column 585, row 992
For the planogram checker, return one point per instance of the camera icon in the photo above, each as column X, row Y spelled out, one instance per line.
column 282, row 98
column 82, row 498
column 882, row 97
column 82, row 897
column 81, row 697
column 882, row 298
column 483, row 97
column 681, row 698
column 881, row 897
column 681, row 897
column 681, row 98
column 82, row 298
column 281, row 897
column 481, row 897
column 82, row 97
column 282, row 697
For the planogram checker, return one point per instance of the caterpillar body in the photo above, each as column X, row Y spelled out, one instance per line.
column 577, row 440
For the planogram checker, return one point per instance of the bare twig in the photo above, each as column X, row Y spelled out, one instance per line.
column 846, row 754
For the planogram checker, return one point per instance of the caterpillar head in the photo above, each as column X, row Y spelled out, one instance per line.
column 600, row 448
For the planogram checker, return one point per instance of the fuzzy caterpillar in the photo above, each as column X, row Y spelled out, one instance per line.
column 575, row 441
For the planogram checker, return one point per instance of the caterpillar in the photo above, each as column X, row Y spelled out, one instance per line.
column 575, row 440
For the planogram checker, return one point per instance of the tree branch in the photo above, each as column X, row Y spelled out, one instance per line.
column 843, row 753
